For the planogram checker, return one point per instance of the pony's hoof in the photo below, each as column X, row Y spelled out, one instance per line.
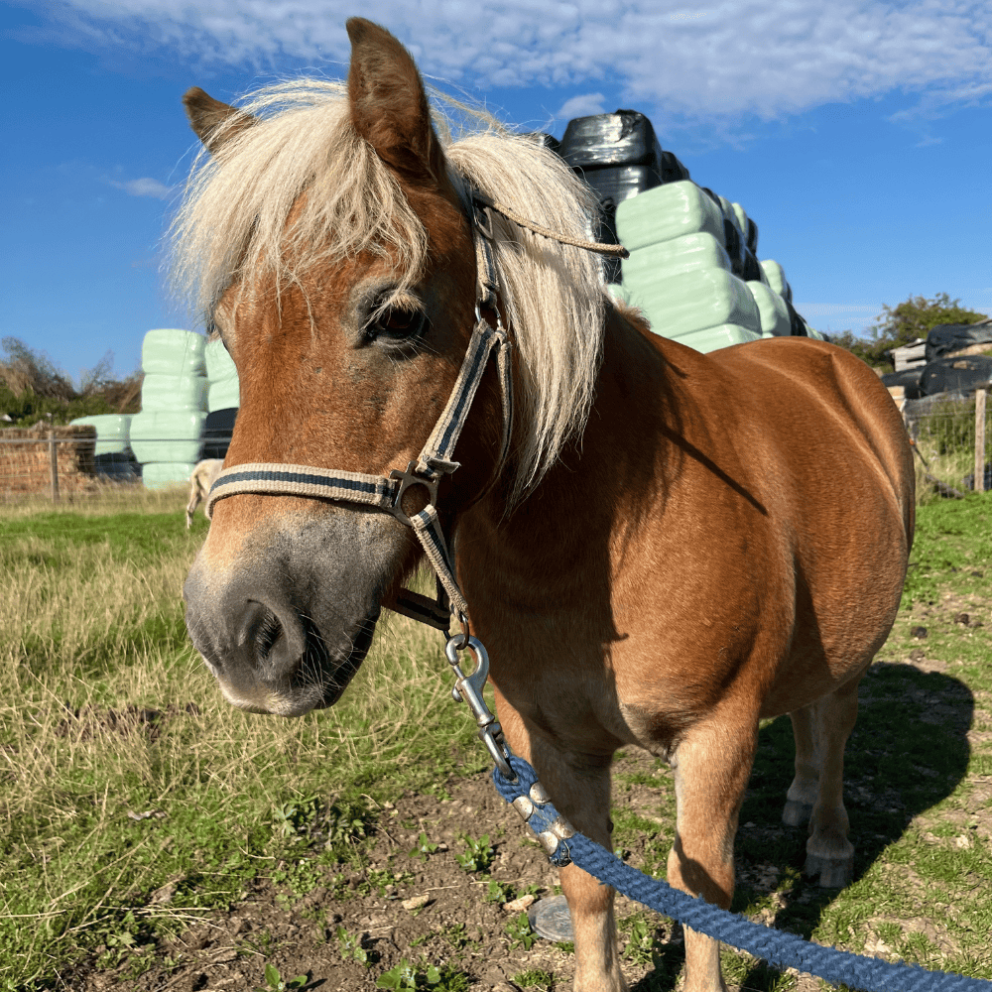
column 796, row 814
column 834, row 873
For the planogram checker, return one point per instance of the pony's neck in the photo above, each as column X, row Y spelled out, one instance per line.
column 594, row 494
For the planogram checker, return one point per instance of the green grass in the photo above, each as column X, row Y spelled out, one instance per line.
column 123, row 770
column 125, row 775
column 953, row 541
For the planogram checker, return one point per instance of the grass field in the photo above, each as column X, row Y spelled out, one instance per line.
column 126, row 775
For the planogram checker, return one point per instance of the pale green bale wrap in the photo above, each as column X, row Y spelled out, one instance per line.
column 721, row 336
column 218, row 361
column 674, row 257
column 692, row 301
column 223, row 394
column 167, row 436
column 165, row 475
column 174, row 392
column 772, row 310
column 170, row 351
column 113, row 431
column 707, row 339
column 776, row 278
column 667, row 212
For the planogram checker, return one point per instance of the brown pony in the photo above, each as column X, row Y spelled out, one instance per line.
column 676, row 546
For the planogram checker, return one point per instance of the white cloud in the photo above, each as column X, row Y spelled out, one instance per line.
column 144, row 187
column 584, row 105
column 769, row 58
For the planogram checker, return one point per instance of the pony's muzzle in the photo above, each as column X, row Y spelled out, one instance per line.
column 268, row 654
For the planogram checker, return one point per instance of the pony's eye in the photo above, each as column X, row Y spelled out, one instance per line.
column 396, row 325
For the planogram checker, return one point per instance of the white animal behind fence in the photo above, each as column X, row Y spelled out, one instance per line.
column 200, row 481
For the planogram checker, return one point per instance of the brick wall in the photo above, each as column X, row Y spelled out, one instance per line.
column 26, row 464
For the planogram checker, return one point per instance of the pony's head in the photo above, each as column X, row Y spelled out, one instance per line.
column 327, row 233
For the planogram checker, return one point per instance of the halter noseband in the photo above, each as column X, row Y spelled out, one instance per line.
column 435, row 461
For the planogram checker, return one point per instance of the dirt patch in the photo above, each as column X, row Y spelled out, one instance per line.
column 363, row 908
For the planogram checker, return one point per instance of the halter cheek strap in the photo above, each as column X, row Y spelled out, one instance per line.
column 434, row 463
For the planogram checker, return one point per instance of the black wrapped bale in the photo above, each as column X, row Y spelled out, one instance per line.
column 622, row 138
column 752, row 237
column 736, row 251
column 796, row 322
column 119, row 466
column 217, row 431
column 548, row 140
column 672, row 170
column 946, row 338
column 963, row 374
column 619, row 156
column 752, row 270
column 909, row 379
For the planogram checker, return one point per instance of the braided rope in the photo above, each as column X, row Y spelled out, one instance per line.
column 612, row 251
column 778, row 947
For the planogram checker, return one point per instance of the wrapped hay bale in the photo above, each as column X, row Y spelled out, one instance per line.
column 772, row 310
column 166, row 475
column 667, row 212
column 699, row 307
column 167, row 436
column 170, row 351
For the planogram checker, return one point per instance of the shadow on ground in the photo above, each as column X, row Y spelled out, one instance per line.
column 908, row 752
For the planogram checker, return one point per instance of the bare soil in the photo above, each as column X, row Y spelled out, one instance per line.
column 228, row 952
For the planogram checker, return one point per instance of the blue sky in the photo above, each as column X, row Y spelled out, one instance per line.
column 857, row 134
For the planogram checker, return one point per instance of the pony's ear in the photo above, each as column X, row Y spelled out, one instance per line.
column 214, row 122
column 389, row 107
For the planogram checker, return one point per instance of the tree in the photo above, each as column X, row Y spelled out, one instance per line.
column 903, row 323
column 25, row 370
column 32, row 388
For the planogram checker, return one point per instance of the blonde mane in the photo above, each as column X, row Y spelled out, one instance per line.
column 232, row 227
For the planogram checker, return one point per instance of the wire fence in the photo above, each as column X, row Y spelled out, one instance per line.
column 952, row 439
column 70, row 466
column 67, row 466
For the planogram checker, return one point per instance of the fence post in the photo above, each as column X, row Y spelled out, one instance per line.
column 980, row 397
column 53, row 456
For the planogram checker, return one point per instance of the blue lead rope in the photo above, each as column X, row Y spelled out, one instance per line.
column 780, row 949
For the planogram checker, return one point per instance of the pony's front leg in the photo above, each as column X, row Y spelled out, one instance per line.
column 579, row 787
column 712, row 766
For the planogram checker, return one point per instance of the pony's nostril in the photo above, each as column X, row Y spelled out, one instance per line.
column 261, row 631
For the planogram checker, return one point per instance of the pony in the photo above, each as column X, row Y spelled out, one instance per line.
column 203, row 477
column 660, row 548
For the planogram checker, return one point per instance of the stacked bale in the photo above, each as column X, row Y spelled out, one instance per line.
column 693, row 269
column 680, row 273
column 166, row 435
column 619, row 156
column 113, row 457
column 223, row 399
